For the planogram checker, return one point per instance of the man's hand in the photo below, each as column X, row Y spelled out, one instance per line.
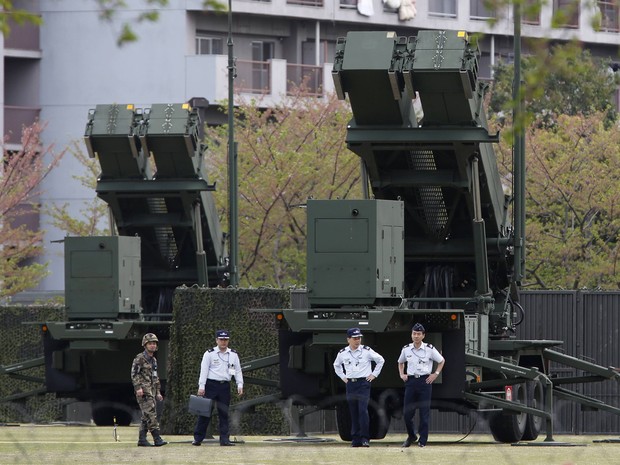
column 240, row 390
column 369, row 378
column 140, row 393
column 159, row 397
column 201, row 392
column 404, row 377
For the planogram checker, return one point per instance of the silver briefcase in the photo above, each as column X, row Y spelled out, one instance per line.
column 199, row 405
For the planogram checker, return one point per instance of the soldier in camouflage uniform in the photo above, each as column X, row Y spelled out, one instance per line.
column 147, row 388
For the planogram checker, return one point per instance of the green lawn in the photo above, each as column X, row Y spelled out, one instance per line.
column 84, row 445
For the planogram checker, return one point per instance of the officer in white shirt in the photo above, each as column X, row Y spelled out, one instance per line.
column 418, row 357
column 353, row 365
column 218, row 365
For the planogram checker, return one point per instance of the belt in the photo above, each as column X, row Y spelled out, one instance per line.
column 355, row 380
column 221, row 381
column 419, row 376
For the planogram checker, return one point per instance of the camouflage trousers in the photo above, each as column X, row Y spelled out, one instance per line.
column 149, row 411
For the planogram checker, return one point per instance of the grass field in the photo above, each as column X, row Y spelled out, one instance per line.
column 85, row 445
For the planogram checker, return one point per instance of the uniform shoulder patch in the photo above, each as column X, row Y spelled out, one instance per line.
column 210, row 350
column 430, row 346
column 342, row 350
column 233, row 351
column 406, row 345
column 367, row 347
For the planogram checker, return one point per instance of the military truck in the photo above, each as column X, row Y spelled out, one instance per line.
column 166, row 233
column 435, row 244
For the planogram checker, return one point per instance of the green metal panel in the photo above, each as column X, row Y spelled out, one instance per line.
column 364, row 61
column 444, row 74
column 170, row 133
column 112, row 120
column 111, row 137
column 351, row 246
column 102, row 276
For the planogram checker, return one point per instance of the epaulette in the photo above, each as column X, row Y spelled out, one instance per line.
column 430, row 346
column 210, row 350
column 342, row 350
column 233, row 351
column 406, row 345
column 366, row 347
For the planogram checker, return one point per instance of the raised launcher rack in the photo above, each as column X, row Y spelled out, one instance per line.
column 153, row 182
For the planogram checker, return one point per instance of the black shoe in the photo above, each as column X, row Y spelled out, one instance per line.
column 356, row 444
column 196, row 443
column 422, row 445
column 227, row 443
column 410, row 440
column 365, row 444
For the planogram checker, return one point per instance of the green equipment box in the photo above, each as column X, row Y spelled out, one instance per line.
column 102, row 277
column 355, row 250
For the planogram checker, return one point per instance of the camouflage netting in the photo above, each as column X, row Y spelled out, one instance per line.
column 22, row 343
column 198, row 313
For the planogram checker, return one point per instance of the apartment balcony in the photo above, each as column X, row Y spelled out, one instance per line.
column 23, row 40
column 15, row 119
column 271, row 81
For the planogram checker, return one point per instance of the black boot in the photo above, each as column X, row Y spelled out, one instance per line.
column 157, row 438
column 142, row 441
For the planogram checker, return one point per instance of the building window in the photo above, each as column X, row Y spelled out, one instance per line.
column 530, row 13
column 207, row 45
column 566, row 13
column 305, row 2
column 442, row 8
column 348, row 4
column 254, row 76
column 610, row 15
column 479, row 10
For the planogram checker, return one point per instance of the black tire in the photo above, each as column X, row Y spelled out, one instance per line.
column 536, row 399
column 379, row 421
column 509, row 427
column 104, row 413
column 343, row 420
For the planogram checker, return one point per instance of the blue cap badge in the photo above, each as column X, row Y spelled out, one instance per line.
column 418, row 327
column 354, row 332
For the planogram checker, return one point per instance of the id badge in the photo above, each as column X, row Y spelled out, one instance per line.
column 231, row 371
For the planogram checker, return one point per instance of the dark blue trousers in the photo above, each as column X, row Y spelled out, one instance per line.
column 219, row 392
column 358, row 396
column 417, row 397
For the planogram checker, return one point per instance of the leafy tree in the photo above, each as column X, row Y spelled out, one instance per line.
column 573, row 203
column 20, row 178
column 286, row 154
column 565, row 80
column 93, row 213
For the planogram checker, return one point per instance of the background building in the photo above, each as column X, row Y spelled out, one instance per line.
column 58, row 71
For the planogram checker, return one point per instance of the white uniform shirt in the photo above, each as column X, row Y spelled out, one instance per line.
column 220, row 366
column 357, row 363
column 419, row 361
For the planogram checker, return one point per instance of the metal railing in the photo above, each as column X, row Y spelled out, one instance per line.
column 253, row 77
column 308, row 78
column 16, row 118
column 23, row 37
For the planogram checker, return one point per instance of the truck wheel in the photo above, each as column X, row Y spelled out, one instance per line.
column 343, row 420
column 380, row 411
column 379, row 423
column 379, row 420
column 536, row 399
column 509, row 427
